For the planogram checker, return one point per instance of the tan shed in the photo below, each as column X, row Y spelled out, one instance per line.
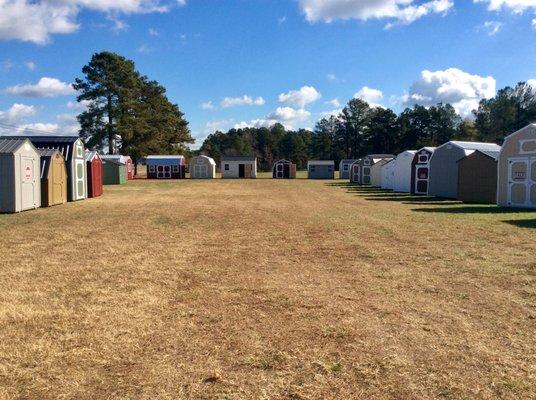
column 20, row 185
column 477, row 177
column 516, row 184
column 53, row 178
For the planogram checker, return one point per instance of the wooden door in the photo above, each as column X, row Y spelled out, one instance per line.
column 59, row 188
column 247, row 171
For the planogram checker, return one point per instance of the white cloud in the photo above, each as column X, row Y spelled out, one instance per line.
column 532, row 83
column 207, row 105
column 221, row 125
column 78, row 105
column 242, row 101
column 36, row 20
column 334, row 113
column 282, row 20
column 17, row 113
column 46, row 87
column 144, row 49
column 516, row 6
column 287, row 116
column 372, row 96
column 30, row 65
column 491, row 27
column 300, row 98
column 153, row 32
column 454, row 86
column 331, row 77
column 534, row 23
column 334, row 102
column 398, row 11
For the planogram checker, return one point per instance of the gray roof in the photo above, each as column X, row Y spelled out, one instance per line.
column 47, row 152
column 492, row 154
column 240, row 158
column 476, row 145
column 380, row 155
column 90, row 155
column 8, row 146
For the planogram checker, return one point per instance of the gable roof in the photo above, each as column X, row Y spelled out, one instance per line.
column 10, row 145
column 46, row 160
column 474, row 145
column 90, row 155
column 321, row 162
column 491, row 154
column 209, row 159
column 117, row 157
column 65, row 144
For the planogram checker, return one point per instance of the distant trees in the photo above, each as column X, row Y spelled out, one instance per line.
column 126, row 112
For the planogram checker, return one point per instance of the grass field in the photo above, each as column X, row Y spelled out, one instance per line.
column 264, row 289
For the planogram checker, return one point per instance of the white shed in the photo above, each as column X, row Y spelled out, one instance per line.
column 202, row 167
column 238, row 167
column 387, row 171
column 20, row 177
column 402, row 171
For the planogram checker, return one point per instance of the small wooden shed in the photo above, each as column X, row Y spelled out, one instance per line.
column 238, row 167
column 202, row 167
column 20, row 181
column 94, row 174
column 126, row 160
column 284, row 169
column 166, row 167
column 113, row 172
column 53, row 178
column 443, row 177
column 420, row 170
column 402, row 171
column 321, row 169
column 516, row 186
column 73, row 151
column 477, row 177
column 344, row 168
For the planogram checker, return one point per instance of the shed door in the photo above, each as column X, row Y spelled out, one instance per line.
column 279, row 171
column 522, row 182
column 366, row 176
column 58, row 181
column 247, row 171
column 80, row 180
column 28, row 182
column 200, row 171
column 421, row 180
column 163, row 172
column 355, row 173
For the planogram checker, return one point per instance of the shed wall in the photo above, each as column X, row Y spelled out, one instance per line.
column 444, row 172
column 477, row 179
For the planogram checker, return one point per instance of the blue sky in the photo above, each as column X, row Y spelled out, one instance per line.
column 289, row 61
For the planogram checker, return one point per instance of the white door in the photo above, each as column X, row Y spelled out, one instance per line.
column 522, row 182
column 200, row 171
column 421, row 180
column 28, row 182
column 279, row 172
column 355, row 173
column 80, row 180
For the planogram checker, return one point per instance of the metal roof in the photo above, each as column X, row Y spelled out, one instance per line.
column 117, row 158
column 492, row 154
column 47, row 152
column 239, row 158
column 321, row 162
column 283, row 161
column 380, row 155
column 475, row 145
column 10, row 145
column 64, row 144
column 174, row 157
column 90, row 155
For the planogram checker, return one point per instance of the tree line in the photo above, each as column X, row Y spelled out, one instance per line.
column 361, row 129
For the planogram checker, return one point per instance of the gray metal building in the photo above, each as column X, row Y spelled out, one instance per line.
column 321, row 169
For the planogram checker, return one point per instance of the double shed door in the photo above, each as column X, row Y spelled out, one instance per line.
column 522, row 182
column 282, row 171
column 421, row 179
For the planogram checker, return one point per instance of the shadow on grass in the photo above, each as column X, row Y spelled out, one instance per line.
column 522, row 223
column 473, row 209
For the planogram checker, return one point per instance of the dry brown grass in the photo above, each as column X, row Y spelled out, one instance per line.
column 265, row 289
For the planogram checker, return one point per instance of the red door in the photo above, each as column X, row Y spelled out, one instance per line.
column 96, row 172
column 130, row 170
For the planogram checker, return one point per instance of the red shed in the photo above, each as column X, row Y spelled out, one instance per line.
column 123, row 160
column 94, row 174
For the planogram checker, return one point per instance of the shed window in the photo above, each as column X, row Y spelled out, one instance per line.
column 226, row 167
column 423, row 159
column 345, row 167
column 175, row 168
column 79, row 151
column 366, row 162
column 151, row 168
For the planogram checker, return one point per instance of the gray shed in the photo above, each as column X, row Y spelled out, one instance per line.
column 443, row 179
column 320, row 169
column 344, row 168
column 20, row 178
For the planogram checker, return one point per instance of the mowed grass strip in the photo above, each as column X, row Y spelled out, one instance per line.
column 265, row 289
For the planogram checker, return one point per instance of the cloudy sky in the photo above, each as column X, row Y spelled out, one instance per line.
column 240, row 63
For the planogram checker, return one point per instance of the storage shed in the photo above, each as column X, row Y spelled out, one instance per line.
column 20, row 184
column 366, row 164
column 477, row 177
column 94, row 174
column 387, row 171
column 402, row 171
column 238, row 167
column 53, row 178
column 73, row 151
column 284, row 169
column 126, row 160
column 344, row 168
column 202, row 167
column 321, row 169
column 443, row 177
column 516, row 186
column 376, row 172
column 113, row 172
column 355, row 172
column 420, row 170
column 166, row 167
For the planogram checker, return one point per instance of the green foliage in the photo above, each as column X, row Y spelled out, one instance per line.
column 127, row 113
